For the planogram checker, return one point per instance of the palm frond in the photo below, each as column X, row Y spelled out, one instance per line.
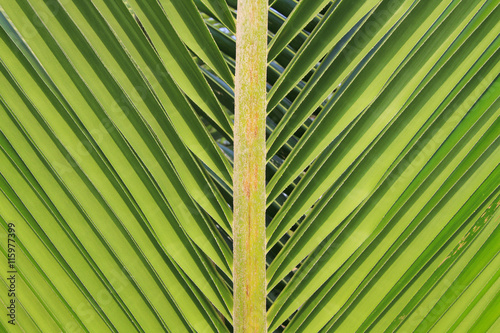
column 116, row 152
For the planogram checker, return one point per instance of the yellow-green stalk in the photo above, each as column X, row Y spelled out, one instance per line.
column 249, row 270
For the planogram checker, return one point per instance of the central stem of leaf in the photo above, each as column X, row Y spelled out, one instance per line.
column 249, row 269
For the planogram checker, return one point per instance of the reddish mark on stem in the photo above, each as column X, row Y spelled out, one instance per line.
column 250, row 182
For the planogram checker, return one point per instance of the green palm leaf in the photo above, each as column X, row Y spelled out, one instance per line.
column 116, row 165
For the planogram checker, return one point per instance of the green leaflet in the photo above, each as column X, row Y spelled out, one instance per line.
column 374, row 211
column 359, row 93
column 337, row 65
column 64, row 165
column 221, row 11
column 385, row 108
column 337, row 22
column 116, row 152
column 179, row 155
column 298, row 18
column 183, row 70
column 192, row 30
